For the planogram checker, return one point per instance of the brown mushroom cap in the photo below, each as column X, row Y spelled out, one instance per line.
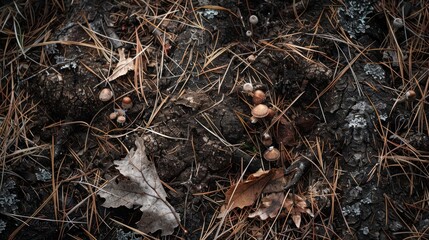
column 410, row 95
column 272, row 154
column 127, row 103
column 260, row 111
column 266, row 139
column 258, row 97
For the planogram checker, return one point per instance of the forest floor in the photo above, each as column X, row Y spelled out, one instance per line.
column 343, row 88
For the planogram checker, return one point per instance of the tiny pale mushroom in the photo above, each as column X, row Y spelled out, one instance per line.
column 121, row 119
column 113, row 115
column 248, row 88
column 105, row 94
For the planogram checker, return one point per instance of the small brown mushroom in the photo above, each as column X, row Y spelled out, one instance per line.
column 127, row 103
column 272, row 154
column 260, row 111
column 410, row 95
column 266, row 139
column 258, row 97
column 105, row 95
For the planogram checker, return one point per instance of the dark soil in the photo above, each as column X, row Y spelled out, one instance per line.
column 368, row 153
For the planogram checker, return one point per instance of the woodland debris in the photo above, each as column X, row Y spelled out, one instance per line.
column 143, row 187
column 245, row 193
column 124, row 65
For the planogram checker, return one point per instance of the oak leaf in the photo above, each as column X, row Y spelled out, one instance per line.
column 124, row 65
column 295, row 205
column 245, row 193
column 143, row 188
column 270, row 207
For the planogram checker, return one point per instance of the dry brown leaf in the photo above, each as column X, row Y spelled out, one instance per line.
column 124, row 65
column 270, row 207
column 143, row 188
column 277, row 183
column 245, row 193
column 295, row 205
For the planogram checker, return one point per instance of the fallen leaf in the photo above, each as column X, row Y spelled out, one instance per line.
column 143, row 188
column 194, row 100
column 270, row 207
column 277, row 183
column 295, row 205
column 124, row 65
column 245, row 193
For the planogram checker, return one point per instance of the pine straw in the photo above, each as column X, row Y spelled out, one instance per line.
column 24, row 34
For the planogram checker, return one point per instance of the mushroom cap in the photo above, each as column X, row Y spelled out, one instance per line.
column 126, row 102
column 272, row 154
column 121, row 119
column 105, row 94
column 410, row 95
column 260, row 111
column 248, row 87
column 253, row 19
column 398, row 23
column 113, row 115
column 258, row 97
column 266, row 139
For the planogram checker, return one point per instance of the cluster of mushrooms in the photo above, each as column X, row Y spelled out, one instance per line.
column 119, row 114
column 253, row 20
column 261, row 112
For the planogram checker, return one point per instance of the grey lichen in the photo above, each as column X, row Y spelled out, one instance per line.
column 121, row 235
column 43, row 175
column 375, row 71
column 353, row 210
column 8, row 201
column 354, row 15
column 2, row 225
column 210, row 13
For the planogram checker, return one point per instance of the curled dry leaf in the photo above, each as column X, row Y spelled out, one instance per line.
column 124, row 65
column 270, row 207
column 143, row 188
column 245, row 193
